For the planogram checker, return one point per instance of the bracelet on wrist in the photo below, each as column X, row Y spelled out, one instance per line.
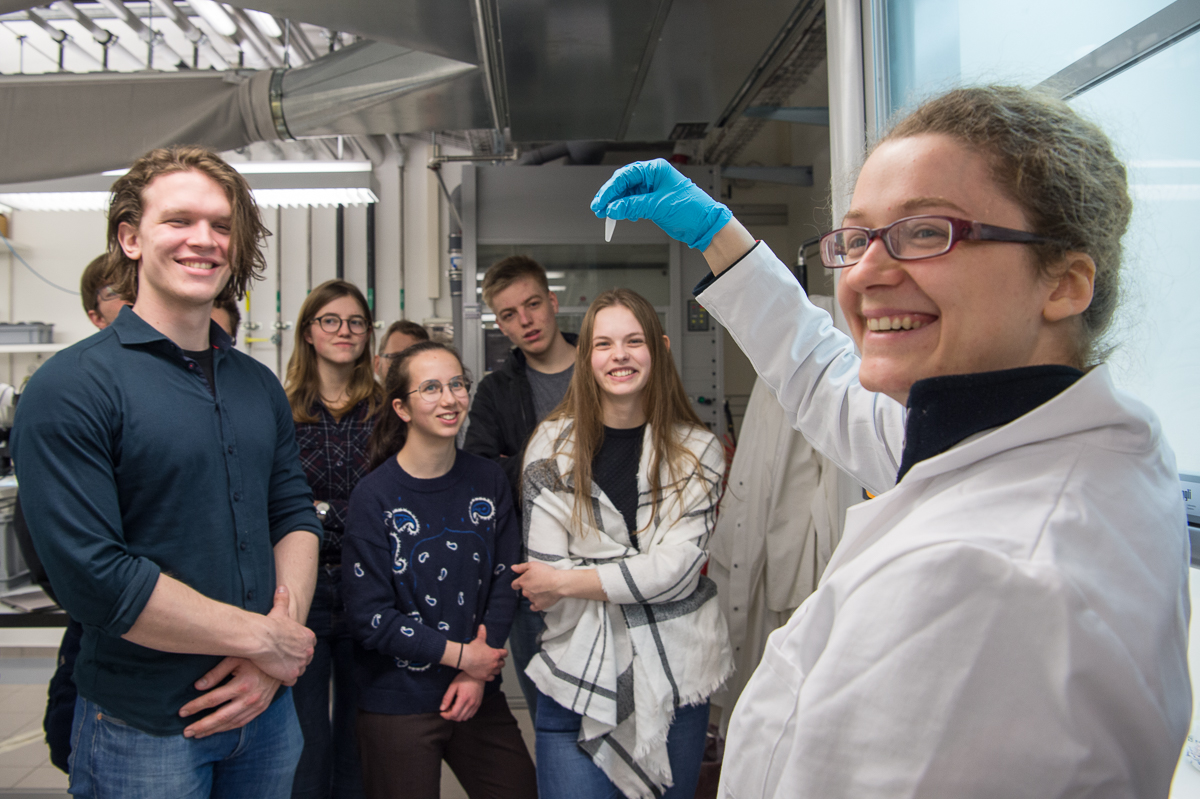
column 461, row 647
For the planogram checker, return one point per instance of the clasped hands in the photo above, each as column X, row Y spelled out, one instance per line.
column 287, row 652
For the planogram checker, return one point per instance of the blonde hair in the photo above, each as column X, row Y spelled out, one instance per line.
column 303, row 383
column 664, row 401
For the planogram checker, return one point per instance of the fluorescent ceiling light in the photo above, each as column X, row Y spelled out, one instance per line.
column 304, row 198
column 266, row 198
column 215, row 16
column 283, row 167
column 57, row 201
column 265, row 22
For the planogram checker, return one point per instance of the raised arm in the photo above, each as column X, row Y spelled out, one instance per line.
column 810, row 366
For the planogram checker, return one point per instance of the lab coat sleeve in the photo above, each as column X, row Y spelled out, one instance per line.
column 669, row 568
column 810, row 366
column 1016, row 706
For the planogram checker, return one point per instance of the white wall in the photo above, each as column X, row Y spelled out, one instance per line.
column 60, row 244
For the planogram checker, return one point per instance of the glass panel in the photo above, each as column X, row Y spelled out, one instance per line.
column 934, row 45
column 578, row 272
column 1154, row 129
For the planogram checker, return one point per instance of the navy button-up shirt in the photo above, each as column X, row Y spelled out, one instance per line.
column 130, row 466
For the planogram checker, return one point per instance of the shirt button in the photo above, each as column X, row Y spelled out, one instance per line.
column 250, row 594
column 191, row 366
column 229, row 449
column 237, row 496
column 339, row 463
column 243, row 546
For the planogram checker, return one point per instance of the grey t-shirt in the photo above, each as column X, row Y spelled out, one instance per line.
column 548, row 390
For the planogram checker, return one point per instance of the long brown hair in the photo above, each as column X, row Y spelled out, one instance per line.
column 246, row 260
column 303, row 383
column 390, row 431
column 663, row 399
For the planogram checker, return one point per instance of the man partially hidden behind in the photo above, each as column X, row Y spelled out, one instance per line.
column 100, row 301
column 399, row 336
column 511, row 401
column 161, row 482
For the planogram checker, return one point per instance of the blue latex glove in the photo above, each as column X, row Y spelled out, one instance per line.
column 656, row 191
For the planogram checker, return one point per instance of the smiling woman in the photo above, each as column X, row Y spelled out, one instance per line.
column 1012, row 605
column 619, row 489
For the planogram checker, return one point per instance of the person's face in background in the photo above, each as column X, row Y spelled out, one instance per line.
column 396, row 343
column 343, row 347
column 108, row 305
column 525, row 313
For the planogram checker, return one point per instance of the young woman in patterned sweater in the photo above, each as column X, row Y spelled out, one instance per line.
column 620, row 489
column 429, row 550
column 334, row 397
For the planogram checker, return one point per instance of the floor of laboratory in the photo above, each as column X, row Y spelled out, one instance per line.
column 25, row 769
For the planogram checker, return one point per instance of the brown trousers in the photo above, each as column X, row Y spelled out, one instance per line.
column 402, row 755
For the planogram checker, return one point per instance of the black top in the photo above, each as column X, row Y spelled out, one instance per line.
column 615, row 470
column 204, row 358
column 943, row 411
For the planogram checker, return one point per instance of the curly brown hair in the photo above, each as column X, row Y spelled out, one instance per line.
column 246, row 259
column 1059, row 167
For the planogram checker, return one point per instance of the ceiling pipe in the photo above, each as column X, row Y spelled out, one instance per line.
column 62, row 39
column 105, row 38
column 119, row 11
column 256, row 38
column 193, row 34
column 300, row 44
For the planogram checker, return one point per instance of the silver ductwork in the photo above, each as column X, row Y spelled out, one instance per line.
column 367, row 88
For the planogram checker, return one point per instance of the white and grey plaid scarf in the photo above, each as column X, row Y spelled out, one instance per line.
column 660, row 642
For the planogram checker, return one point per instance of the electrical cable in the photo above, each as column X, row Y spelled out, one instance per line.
column 36, row 274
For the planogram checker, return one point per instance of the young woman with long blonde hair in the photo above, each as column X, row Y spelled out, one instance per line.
column 619, row 489
column 334, row 396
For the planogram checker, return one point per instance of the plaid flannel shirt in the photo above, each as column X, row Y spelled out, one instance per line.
column 334, row 456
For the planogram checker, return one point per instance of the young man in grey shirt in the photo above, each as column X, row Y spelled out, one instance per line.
column 511, row 401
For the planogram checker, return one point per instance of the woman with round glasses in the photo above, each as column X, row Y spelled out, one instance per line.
column 429, row 552
column 1008, row 617
column 334, row 396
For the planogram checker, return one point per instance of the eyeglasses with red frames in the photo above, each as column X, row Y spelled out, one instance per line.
column 915, row 238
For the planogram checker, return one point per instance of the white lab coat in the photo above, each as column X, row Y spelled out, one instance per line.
column 1010, row 620
column 777, row 528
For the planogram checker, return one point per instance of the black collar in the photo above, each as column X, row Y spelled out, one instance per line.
column 943, row 411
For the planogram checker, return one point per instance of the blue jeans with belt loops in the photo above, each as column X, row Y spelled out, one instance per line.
column 111, row 760
column 565, row 770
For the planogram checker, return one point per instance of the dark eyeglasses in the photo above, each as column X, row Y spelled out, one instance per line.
column 431, row 390
column 332, row 323
column 915, row 238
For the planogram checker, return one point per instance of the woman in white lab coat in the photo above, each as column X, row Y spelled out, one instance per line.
column 1008, row 617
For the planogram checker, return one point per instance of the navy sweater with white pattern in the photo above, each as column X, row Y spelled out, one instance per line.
column 423, row 562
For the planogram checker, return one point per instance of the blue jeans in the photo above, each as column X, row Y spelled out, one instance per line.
column 523, row 643
column 565, row 770
column 329, row 766
column 111, row 760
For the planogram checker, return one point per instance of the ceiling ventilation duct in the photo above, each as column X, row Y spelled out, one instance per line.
column 66, row 125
